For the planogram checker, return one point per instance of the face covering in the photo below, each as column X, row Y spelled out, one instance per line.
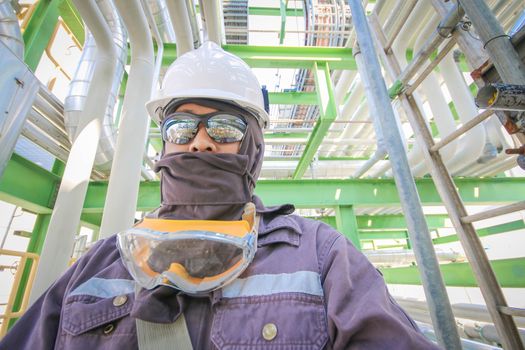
column 207, row 186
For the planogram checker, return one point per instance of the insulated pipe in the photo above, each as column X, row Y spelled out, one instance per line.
column 435, row 291
column 192, row 14
column 380, row 152
column 70, row 199
column 160, row 48
column 123, row 187
column 406, row 256
column 431, row 88
column 212, row 20
column 162, row 19
column 473, row 142
column 348, row 110
column 75, row 100
column 181, row 24
column 413, row 24
column 10, row 33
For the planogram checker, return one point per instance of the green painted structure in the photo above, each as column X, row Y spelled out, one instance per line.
column 34, row 189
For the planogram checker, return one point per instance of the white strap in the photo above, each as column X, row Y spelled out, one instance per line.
column 160, row 336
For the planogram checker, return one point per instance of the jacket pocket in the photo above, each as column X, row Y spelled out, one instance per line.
column 94, row 323
column 280, row 321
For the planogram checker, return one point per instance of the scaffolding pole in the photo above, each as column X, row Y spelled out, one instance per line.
column 436, row 295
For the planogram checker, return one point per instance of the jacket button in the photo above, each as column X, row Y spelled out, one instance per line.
column 120, row 300
column 269, row 331
column 109, row 328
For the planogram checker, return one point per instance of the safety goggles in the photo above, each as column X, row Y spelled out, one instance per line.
column 195, row 256
column 223, row 127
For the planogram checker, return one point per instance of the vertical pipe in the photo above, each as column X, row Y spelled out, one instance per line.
column 68, row 207
column 212, row 21
column 435, row 291
column 497, row 43
column 181, row 24
column 123, row 187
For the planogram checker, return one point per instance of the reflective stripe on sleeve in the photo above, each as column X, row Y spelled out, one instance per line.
column 104, row 288
column 307, row 282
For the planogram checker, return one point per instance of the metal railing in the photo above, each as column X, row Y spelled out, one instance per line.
column 8, row 313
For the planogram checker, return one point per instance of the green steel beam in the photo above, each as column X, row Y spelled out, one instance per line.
column 274, row 11
column 268, row 11
column 280, row 56
column 292, row 98
column 487, row 231
column 72, row 20
column 27, row 185
column 509, row 272
column 371, row 235
column 287, row 135
column 39, row 30
column 36, row 242
column 347, row 224
column 397, row 222
column 327, row 114
column 33, row 188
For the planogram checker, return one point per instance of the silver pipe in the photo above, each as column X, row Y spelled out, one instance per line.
column 10, row 33
column 162, row 19
column 181, row 24
column 435, row 291
column 467, row 344
column 79, row 86
column 192, row 14
column 406, row 256
column 504, row 57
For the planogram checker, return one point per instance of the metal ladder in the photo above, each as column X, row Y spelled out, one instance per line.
column 463, row 222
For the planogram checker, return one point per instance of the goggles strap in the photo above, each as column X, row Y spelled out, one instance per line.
column 159, row 336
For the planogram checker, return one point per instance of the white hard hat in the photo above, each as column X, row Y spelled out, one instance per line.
column 210, row 72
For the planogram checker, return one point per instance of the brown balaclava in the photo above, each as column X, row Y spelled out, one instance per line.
column 208, row 186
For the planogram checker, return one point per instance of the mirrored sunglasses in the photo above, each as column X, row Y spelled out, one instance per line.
column 223, row 127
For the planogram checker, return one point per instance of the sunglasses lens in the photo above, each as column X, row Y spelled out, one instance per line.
column 179, row 131
column 224, row 128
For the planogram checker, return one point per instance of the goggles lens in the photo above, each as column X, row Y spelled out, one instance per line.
column 195, row 256
column 181, row 127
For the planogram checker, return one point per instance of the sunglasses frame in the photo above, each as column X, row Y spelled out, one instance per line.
column 201, row 118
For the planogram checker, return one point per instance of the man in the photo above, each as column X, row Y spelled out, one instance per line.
column 212, row 261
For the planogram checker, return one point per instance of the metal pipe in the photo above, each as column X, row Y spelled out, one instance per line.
column 70, row 199
column 406, row 256
column 497, row 43
column 511, row 208
column 192, row 15
column 123, row 187
column 212, row 23
column 407, row 7
column 435, row 291
column 444, row 29
column 506, row 97
column 160, row 47
column 161, row 17
column 75, row 100
column 181, row 24
column 380, row 153
column 461, row 130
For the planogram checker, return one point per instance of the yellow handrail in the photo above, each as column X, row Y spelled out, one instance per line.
column 8, row 313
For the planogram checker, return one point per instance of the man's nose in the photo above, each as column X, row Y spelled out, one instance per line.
column 202, row 142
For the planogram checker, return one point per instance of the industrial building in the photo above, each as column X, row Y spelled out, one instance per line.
column 401, row 123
